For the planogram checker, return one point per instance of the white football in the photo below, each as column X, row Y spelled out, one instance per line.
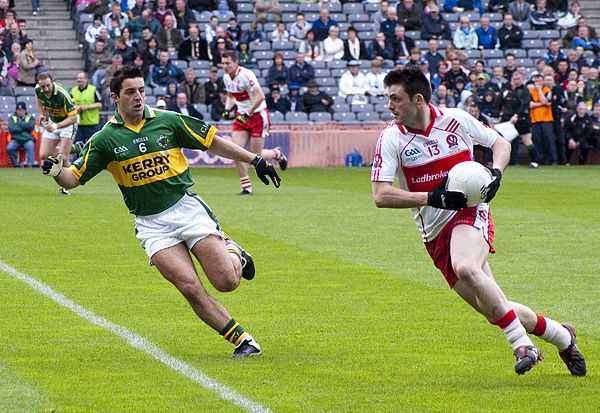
column 471, row 178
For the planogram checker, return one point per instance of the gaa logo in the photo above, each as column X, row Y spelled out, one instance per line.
column 411, row 152
column 452, row 141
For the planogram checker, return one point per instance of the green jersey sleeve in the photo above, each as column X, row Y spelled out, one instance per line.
column 92, row 161
column 193, row 133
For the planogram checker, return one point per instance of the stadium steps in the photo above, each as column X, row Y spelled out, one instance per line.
column 54, row 38
column 591, row 10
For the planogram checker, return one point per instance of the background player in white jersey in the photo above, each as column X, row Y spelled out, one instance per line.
column 252, row 118
column 418, row 149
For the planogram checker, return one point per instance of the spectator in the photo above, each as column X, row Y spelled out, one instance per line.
column 192, row 88
column 380, row 48
column 210, row 30
column 409, row 15
column 193, row 47
column 509, row 35
column 13, row 36
column 432, row 55
column 299, row 29
column 575, row 60
column 203, row 5
column 280, row 34
column 583, row 39
column 276, row 102
column 596, row 122
column 569, row 19
column 353, row 83
column 278, row 72
column 315, row 100
column 435, row 26
column 414, row 58
column 117, row 15
column 165, row 72
column 93, row 30
column 214, row 86
column 296, row 103
column 135, row 12
column 253, row 35
column 374, row 79
column 465, row 37
column 579, row 133
column 172, row 91
column 438, row 77
column 245, row 57
column 401, row 43
column 389, row 24
column 452, row 53
column 540, row 112
column 301, row 72
column 221, row 47
column 181, row 105
column 127, row 39
column 441, row 98
column 541, row 18
column 20, row 126
column 488, row 105
column 380, row 15
column 12, row 68
column 183, row 16
column 138, row 61
column 267, row 11
column 124, row 51
column 487, row 38
column 519, row 10
column 99, row 57
column 333, row 46
column 161, row 11
column 498, row 6
column 466, row 100
column 234, row 31
column 510, row 66
column 458, row 6
column 28, row 65
column 169, row 37
column 480, row 87
column 147, row 20
column 217, row 108
column 114, row 30
column 498, row 81
column 322, row 25
column 554, row 53
column 312, row 47
column 452, row 75
column 354, row 47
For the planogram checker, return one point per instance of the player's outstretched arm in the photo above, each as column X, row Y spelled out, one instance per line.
column 386, row 195
column 63, row 176
column 264, row 169
column 501, row 152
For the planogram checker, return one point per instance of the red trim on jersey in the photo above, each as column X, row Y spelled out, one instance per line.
column 402, row 128
column 434, row 115
column 540, row 327
column 506, row 319
column 426, row 177
column 237, row 71
column 377, row 159
column 240, row 96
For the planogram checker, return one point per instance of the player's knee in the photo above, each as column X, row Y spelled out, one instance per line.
column 227, row 283
column 467, row 272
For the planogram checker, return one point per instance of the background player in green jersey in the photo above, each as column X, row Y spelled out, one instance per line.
column 141, row 148
column 58, row 117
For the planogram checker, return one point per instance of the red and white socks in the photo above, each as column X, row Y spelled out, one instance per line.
column 513, row 330
column 246, row 183
column 552, row 332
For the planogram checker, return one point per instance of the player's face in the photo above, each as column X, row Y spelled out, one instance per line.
column 401, row 105
column 46, row 86
column 131, row 99
column 229, row 66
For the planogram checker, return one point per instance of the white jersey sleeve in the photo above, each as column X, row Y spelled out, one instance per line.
column 385, row 161
column 477, row 131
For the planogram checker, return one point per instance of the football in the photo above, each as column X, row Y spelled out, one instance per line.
column 470, row 178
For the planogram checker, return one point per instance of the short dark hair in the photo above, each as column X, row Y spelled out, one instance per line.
column 232, row 54
column 126, row 72
column 412, row 79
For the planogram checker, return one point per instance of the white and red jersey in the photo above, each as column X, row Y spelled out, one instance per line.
column 240, row 86
column 420, row 160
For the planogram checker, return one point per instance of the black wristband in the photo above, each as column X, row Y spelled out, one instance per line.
column 256, row 160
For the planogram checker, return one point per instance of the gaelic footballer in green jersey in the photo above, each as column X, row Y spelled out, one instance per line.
column 142, row 149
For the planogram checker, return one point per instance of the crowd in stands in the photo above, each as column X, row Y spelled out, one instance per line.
column 330, row 58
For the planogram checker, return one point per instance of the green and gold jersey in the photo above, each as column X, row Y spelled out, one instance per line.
column 58, row 105
column 146, row 161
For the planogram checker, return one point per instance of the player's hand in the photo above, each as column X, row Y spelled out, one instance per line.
column 242, row 117
column 264, row 169
column 52, row 166
column 440, row 197
column 494, row 185
column 226, row 114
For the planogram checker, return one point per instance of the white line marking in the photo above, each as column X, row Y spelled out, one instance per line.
column 139, row 342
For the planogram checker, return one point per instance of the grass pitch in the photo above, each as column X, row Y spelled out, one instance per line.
column 351, row 313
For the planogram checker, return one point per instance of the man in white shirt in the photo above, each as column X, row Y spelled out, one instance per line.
column 353, row 82
column 375, row 79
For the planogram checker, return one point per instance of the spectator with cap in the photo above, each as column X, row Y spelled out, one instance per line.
column 315, row 100
column 301, row 72
column 353, row 83
column 276, row 102
column 20, row 126
column 435, row 26
column 296, row 103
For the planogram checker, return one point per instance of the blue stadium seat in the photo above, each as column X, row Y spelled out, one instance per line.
column 473, row 53
column 260, row 46
column 268, row 28
column 319, row 65
column 368, row 117
column 517, row 52
column 331, row 91
column 327, row 81
column 522, row 25
column 32, row 108
column 362, row 28
column 288, row 18
column 414, row 34
column 278, row 46
column 371, row 7
column 9, row 100
column 333, row 7
column 443, row 44
column 336, row 64
column 535, row 53
column 181, row 64
column 378, row 99
column 263, row 55
column 322, row 73
column 525, row 62
column 320, row 117
column 388, row 64
column 159, row 91
column 26, row 99
column 337, row 73
column 549, row 34
column 495, row 62
column 367, row 37
column 386, row 116
column 309, row 7
column 494, row 17
column 245, row 8
column 450, row 17
column 359, row 18
column 341, row 107
column 24, row 91
column 530, row 34
column 276, row 117
column 6, row 107
column 473, row 15
column 201, row 73
column 353, row 8
column 381, row 108
column 296, row 117
column 4, row 116
column 264, row 64
column 288, row 54
column 86, row 18
column 311, row 17
column 288, row 8
column 491, row 53
column 200, row 64
column 533, row 44
column 453, row 26
column 344, row 116
column 150, row 100
column 244, row 18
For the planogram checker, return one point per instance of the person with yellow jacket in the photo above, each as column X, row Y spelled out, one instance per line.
column 88, row 102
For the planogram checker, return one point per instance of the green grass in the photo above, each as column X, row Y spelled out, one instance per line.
column 351, row 314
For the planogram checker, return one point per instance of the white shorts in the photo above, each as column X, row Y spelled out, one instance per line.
column 189, row 221
column 68, row 132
